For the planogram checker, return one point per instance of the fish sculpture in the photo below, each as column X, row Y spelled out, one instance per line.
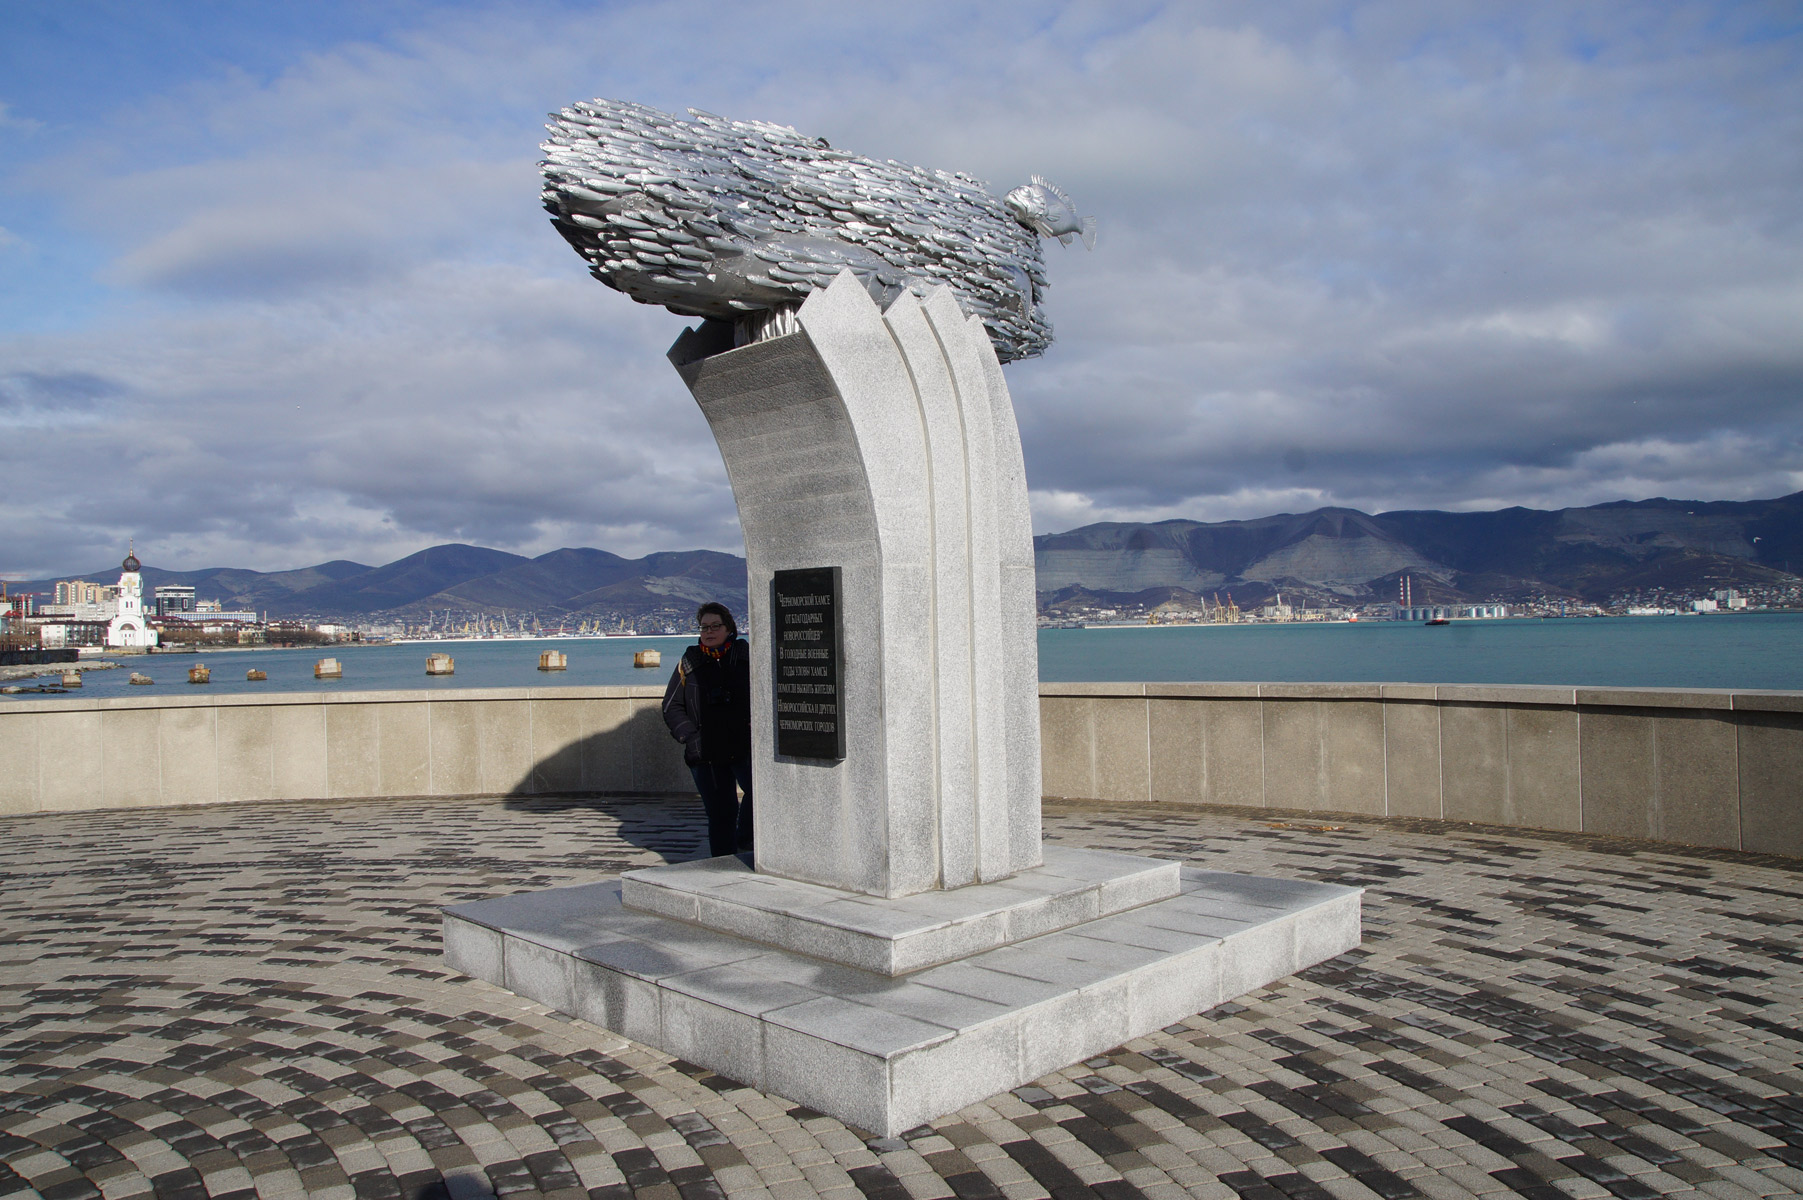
column 1043, row 207
column 740, row 220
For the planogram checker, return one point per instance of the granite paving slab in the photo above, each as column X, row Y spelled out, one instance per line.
column 249, row 1000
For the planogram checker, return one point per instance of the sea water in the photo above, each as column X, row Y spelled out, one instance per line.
column 1755, row 651
column 1758, row 650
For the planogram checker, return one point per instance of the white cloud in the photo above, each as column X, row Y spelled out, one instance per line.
column 1056, row 511
column 1382, row 257
column 9, row 120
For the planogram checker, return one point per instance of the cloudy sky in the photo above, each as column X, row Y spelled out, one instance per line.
column 275, row 286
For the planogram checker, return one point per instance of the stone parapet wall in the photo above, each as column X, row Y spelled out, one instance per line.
column 63, row 755
column 1700, row 768
column 1694, row 767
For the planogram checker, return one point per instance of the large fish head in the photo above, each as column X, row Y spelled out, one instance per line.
column 1028, row 203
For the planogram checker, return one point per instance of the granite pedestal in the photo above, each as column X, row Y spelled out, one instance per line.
column 888, row 1052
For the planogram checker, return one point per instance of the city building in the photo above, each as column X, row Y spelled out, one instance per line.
column 80, row 591
column 80, row 600
column 82, row 612
column 54, row 635
column 1452, row 612
column 174, row 599
column 212, row 618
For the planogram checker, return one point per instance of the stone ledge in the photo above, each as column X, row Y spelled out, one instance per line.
column 1078, row 690
column 1506, row 693
column 889, row 1054
column 1772, row 701
column 1319, row 691
column 1407, row 691
column 406, row 696
column 1527, row 695
column 895, row 937
column 1624, row 697
column 1182, row 691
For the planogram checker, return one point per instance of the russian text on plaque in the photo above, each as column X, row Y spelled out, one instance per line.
column 808, row 671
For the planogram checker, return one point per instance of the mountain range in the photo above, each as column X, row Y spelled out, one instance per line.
column 570, row 583
column 1339, row 554
column 1330, row 555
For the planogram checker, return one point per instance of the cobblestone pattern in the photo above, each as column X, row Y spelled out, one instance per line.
column 249, row 1001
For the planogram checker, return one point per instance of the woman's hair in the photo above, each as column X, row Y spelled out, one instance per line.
column 719, row 610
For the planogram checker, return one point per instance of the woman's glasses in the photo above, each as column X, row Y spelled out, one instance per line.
column 710, row 626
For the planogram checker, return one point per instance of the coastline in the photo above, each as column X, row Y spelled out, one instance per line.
column 1630, row 652
column 37, row 670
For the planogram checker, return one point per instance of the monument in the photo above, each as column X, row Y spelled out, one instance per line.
column 905, row 943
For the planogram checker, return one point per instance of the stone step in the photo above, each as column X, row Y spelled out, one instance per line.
column 909, row 933
column 888, row 1054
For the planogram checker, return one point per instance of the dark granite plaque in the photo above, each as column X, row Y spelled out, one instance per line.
column 809, row 673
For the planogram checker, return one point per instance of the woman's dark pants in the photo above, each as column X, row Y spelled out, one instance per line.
column 728, row 817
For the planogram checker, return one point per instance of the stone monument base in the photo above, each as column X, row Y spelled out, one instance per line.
column 1035, row 973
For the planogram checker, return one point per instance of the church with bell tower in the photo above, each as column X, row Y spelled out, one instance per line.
column 129, row 630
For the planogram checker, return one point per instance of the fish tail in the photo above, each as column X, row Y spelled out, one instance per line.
column 1089, row 233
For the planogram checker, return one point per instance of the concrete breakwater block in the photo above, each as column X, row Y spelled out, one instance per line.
column 888, row 1053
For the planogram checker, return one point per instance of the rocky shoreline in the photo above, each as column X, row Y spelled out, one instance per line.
column 32, row 671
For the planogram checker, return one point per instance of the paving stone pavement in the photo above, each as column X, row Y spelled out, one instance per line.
column 248, row 1000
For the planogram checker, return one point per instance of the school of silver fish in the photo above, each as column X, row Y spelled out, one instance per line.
column 734, row 219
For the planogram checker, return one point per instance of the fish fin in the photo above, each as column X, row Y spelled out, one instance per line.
column 1089, row 233
column 1040, row 181
column 1064, row 239
column 1060, row 193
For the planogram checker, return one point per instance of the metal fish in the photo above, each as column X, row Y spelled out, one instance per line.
column 1043, row 207
column 730, row 219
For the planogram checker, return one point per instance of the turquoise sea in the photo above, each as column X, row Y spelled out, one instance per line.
column 1756, row 650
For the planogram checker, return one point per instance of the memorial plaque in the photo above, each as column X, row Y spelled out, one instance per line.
column 808, row 671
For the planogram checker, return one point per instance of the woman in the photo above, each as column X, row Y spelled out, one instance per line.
column 708, row 709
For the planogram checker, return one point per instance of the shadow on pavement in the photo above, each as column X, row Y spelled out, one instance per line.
column 633, row 772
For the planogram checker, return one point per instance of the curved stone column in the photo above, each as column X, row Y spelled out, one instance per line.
column 884, row 444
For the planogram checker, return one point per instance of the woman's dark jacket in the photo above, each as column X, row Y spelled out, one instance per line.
column 708, row 704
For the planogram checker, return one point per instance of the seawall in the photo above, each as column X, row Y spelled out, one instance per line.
column 1693, row 767
column 65, row 755
column 1690, row 767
